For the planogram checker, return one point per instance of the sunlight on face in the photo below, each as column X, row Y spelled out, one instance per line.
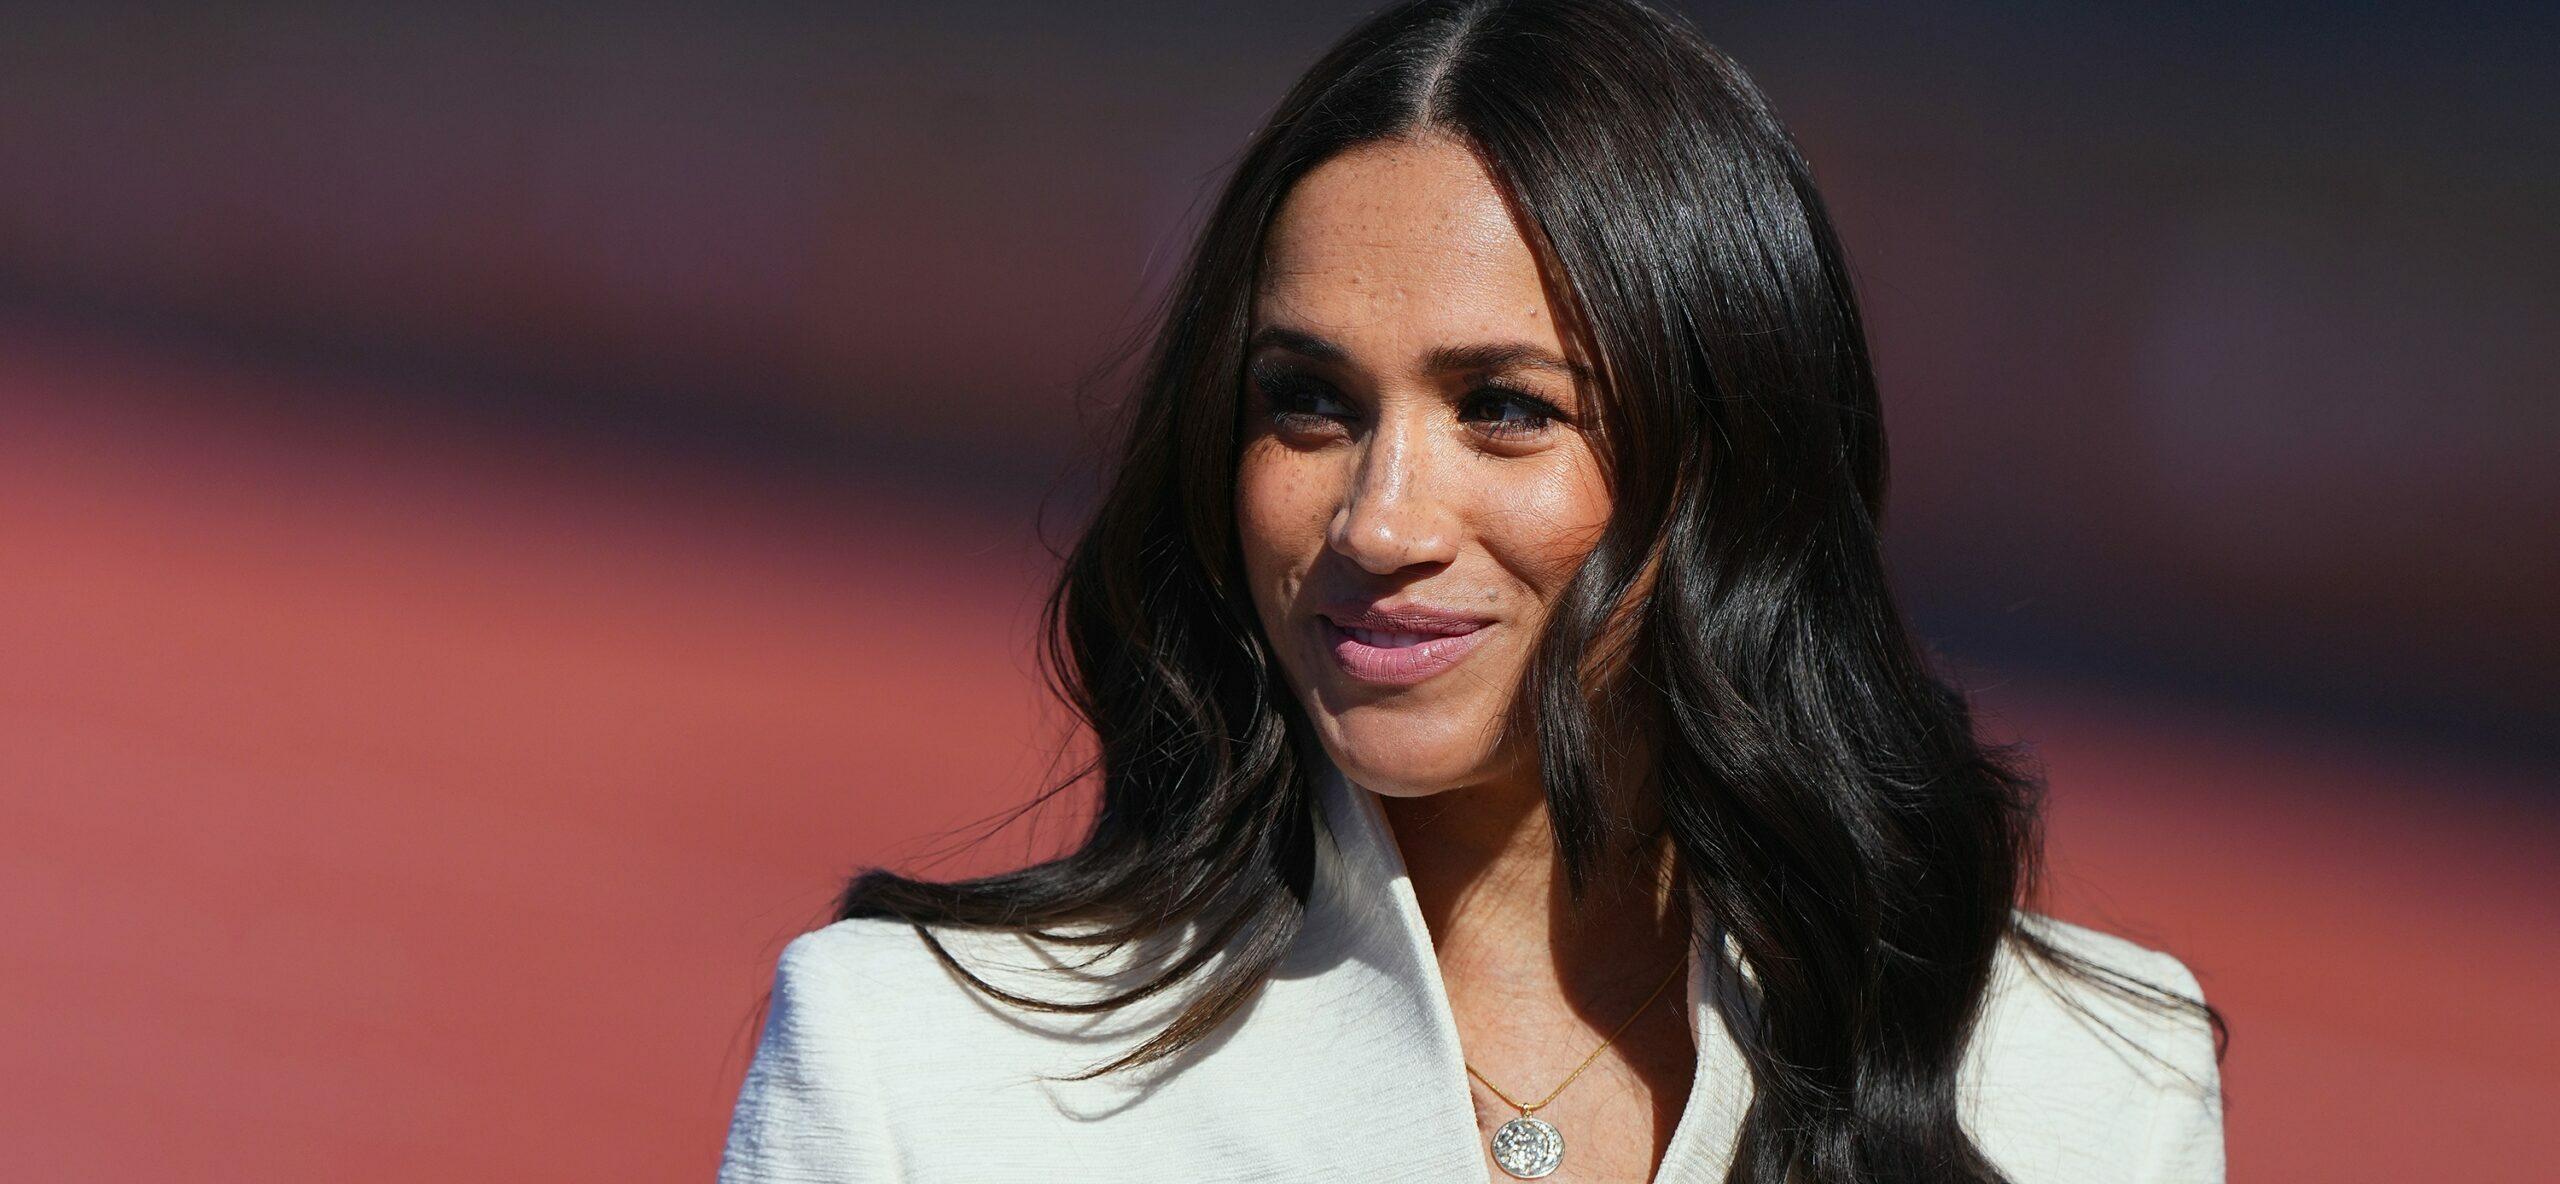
column 1414, row 451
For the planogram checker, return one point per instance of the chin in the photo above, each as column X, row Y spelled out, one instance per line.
column 1401, row 762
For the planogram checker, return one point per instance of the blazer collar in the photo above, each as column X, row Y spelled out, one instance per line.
column 1365, row 926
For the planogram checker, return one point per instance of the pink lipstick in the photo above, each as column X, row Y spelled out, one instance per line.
column 1398, row 645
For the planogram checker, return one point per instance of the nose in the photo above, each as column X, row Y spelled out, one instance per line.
column 1396, row 513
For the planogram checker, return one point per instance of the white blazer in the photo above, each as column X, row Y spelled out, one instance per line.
column 877, row 1064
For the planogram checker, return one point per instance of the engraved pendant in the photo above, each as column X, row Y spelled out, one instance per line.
column 1527, row 1147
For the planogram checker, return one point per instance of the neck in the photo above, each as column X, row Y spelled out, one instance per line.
column 1485, row 869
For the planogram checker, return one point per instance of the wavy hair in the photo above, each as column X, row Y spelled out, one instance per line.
column 1825, row 794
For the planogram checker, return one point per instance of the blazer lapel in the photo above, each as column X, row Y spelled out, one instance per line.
column 1364, row 935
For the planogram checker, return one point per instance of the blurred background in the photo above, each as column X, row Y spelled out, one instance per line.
column 502, row 506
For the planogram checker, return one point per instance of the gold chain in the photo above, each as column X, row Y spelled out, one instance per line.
column 1586, row 1061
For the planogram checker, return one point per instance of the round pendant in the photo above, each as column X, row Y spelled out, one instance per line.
column 1527, row 1147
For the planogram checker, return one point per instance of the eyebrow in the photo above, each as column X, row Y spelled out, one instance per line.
column 1489, row 355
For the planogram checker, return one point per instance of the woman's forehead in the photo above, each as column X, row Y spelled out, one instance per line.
column 1401, row 239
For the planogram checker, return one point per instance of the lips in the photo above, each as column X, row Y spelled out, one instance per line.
column 1407, row 617
column 1399, row 645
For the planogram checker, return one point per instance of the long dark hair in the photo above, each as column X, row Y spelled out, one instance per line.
column 1830, row 805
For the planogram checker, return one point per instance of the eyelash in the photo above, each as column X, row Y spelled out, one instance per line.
column 1285, row 390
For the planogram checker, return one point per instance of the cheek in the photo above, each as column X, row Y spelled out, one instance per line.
column 1281, row 516
column 1550, row 522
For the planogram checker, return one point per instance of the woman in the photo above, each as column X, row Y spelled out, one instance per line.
column 1484, row 631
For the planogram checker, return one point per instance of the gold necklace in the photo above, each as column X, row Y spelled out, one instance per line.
column 1528, row 1146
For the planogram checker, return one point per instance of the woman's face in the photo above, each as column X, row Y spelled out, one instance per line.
column 1415, row 485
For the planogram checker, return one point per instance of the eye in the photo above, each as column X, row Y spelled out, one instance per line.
column 1515, row 414
column 1295, row 399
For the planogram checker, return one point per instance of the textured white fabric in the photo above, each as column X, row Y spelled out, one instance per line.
column 878, row 1064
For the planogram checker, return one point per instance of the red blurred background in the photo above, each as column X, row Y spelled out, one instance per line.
column 502, row 509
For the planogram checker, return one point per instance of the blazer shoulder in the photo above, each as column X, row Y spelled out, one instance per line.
column 894, row 963
column 848, row 980
column 810, row 1107
column 2109, row 1071
column 2132, row 997
column 863, row 1002
column 871, row 951
column 885, row 969
column 919, row 1010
